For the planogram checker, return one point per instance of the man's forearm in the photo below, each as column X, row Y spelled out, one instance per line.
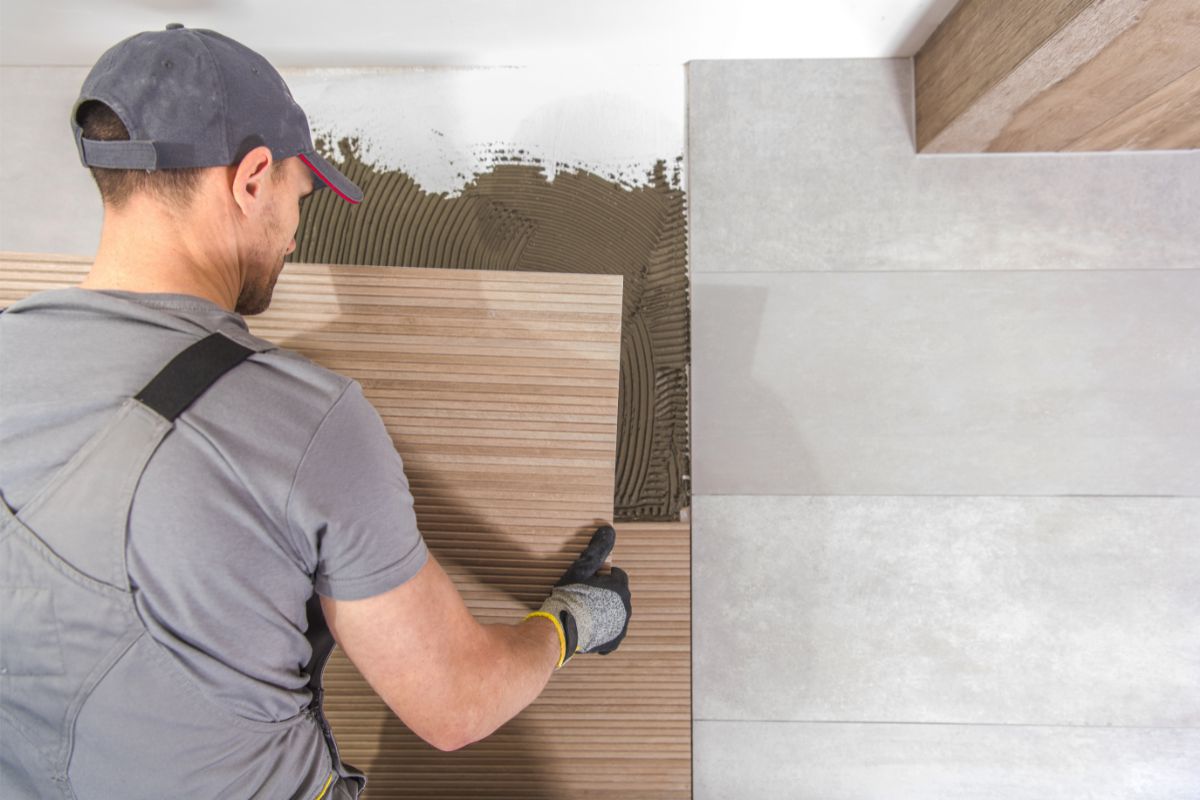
column 510, row 672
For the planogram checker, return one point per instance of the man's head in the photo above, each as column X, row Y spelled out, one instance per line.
column 202, row 136
column 261, row 201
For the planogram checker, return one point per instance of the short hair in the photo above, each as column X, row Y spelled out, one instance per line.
column 174, row 187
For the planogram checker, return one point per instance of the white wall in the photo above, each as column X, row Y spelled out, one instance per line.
column 306, row 33
column 442, row 126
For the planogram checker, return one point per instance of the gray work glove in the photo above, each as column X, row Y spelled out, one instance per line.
column 591, row 611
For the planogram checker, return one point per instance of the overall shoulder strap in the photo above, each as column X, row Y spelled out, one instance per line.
column 82, row 512
column 190, row 373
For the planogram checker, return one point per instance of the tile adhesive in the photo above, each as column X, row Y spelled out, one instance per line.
column 511, row 217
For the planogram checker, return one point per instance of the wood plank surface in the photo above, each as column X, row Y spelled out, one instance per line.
column 979, row 43
column 1166, row 120
column 991, row 80
column 499, row 390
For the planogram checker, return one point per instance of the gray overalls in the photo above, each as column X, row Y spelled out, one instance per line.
column 91, row 705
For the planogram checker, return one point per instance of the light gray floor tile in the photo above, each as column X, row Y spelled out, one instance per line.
column 809, row 165
column 796, row 761
column 983, row 383
column 1042, row 611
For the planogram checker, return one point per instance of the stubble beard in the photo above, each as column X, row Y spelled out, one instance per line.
column 255, row 296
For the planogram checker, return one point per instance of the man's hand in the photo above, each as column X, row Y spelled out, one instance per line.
column 591, row 611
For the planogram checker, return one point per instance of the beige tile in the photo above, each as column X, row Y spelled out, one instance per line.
column 1035, row 611
column 965, row 383
column 809, row 165
column 797, row 761
column 49, row 203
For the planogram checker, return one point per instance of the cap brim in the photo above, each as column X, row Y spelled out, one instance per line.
column 332, row 177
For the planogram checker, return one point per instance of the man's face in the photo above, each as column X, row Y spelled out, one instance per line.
column 290, row 182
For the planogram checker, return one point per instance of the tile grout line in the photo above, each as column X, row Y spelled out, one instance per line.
column 1053, row 271
column 953, row 724
column 696, row 494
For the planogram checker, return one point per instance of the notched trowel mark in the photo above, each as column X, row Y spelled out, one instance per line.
column 513, row 218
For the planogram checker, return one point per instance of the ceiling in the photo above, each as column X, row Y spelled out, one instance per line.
column 308, row 33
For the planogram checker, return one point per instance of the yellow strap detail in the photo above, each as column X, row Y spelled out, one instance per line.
column 562, row 635
column 325, row 788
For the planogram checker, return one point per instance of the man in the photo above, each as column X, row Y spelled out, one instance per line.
column 179, row 492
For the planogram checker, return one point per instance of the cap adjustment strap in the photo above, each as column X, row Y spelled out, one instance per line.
column 122, row 154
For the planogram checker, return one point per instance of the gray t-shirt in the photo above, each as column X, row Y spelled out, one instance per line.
column 279, row 479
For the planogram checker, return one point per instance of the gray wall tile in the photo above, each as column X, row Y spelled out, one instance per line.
column 996, row 383
column 809, row 165
column 1044, row 611
column 49, row 203
column 797, row 761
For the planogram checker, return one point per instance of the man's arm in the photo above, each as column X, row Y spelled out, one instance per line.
column 450, row 679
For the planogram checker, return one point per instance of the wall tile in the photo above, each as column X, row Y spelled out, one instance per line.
column 50, row 203
column 1043, row 611
column 998, row 383
column 797, row 761
column 809, row 165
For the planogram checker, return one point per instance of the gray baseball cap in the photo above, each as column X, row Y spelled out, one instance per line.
column 194, row 98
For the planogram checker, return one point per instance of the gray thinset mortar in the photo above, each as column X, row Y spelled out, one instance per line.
column 513, row 218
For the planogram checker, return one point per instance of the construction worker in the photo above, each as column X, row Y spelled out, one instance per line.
column 190, row 511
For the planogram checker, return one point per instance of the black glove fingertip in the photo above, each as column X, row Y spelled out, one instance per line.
column 592, row 558
column 603, row 541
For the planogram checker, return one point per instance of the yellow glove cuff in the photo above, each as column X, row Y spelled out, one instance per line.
column 562, row 635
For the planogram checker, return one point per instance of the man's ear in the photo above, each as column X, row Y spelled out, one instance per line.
column 249, row 177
